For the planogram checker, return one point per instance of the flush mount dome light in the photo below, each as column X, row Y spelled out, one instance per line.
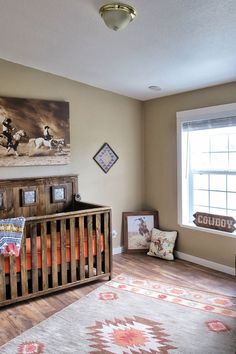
column 117, row 16
column 154, row 88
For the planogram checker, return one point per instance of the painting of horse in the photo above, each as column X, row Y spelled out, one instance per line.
column 16, row 138
column 137, row 228
column 34, row 132
column 51, row 144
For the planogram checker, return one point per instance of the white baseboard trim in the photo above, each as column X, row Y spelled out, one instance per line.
column 117, row 250
column 205, row 263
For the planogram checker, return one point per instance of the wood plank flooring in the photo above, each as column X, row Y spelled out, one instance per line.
column 18, row 318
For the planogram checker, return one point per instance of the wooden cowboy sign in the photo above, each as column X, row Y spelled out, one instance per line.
column 212, row 221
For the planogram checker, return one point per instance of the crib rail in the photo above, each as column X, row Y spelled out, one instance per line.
column 66, row 249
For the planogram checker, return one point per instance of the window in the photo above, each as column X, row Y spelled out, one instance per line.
column 206, row 162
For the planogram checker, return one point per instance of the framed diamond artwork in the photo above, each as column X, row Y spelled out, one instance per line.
column 105, row 157
column 29, row 196
column 58, row 194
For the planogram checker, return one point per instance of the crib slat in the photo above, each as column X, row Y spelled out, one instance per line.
column 90, row 245
column 23, row 266
column 2, row 279
column 13, row 279
column 63, row 252
column 81, row 249
column 72, row 250
column 54, row 254
column 98, row 243
column 106, row 235
column 34, row 257
column 44, row 256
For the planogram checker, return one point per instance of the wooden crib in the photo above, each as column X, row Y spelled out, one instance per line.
column 65, row 242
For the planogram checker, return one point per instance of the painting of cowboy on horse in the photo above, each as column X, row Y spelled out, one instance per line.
column 139, row 229
column 7, row 130
column 10, row 139
column 26, row 137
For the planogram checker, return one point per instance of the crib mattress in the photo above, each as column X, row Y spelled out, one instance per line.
column 49, row 252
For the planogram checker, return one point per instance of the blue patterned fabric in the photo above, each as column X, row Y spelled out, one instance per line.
column 11, row 232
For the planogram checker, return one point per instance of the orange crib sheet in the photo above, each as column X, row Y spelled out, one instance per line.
column 49, row 255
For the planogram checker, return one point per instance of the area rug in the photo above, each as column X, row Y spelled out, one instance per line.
column 133, row 316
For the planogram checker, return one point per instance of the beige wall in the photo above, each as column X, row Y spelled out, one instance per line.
column 161, row 169
column 96, row 116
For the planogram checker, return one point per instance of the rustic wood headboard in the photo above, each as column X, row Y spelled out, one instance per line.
column 37, row 196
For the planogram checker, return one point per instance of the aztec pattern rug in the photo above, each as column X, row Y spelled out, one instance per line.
column 134, row 316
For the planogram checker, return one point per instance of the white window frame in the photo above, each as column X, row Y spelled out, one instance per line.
column 220, row 111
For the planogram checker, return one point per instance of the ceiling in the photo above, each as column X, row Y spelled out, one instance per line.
column 178, row 45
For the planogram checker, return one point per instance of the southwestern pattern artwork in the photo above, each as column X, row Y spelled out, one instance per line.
column 105, row 157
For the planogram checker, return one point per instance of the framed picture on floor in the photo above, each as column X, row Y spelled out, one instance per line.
column 137, row 227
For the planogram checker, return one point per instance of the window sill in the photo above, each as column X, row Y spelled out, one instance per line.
column 210, row 231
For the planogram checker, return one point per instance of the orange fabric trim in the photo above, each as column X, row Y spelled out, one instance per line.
column 49, row 255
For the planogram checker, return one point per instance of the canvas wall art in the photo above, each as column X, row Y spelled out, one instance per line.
column 34, row 132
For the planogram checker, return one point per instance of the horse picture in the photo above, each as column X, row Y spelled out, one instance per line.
column 16, row 138
column 34, row 132
column 51, row 144
column 138, row 228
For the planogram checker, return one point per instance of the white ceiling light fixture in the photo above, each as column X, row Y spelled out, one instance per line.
column 117, row 15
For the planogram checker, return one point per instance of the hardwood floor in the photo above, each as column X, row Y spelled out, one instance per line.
column 18, row 318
